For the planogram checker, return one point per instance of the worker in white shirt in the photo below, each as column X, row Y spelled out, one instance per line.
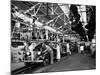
column 48, row 48
column 26, row 48
column 68, row 48
column 31, row 48
column 93, row 46
column 26, row 45
column 58, row 52
column 81, row 48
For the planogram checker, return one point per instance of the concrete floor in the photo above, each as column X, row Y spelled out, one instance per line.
column 71, row 63
column 15, row 66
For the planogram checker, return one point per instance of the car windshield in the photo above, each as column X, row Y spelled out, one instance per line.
column 39, row 47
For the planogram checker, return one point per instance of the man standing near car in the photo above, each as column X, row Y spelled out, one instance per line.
column 68, row 48
column 93, row 46
column 26, row 45
column 50, row 51
column 31, row 48
column 58, row 52
column 81, row 48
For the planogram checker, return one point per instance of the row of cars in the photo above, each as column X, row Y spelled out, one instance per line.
column 37, row 52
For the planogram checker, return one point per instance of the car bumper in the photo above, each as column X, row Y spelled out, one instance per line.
column 34, row 61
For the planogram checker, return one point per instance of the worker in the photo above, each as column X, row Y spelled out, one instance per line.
column 26, row 45
column 78, row 48
column 82, row 48
column 93, row 47
column 58, row 52
column 48, row 48
column 26, row 49
column 31, row 48
column 68, row 48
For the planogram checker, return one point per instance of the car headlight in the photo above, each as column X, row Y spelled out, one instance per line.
column 28, row 53
column 39, row 53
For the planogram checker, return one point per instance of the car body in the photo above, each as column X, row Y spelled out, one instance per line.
column 39, row 55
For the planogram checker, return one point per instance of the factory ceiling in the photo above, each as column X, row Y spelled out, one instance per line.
column 48, row 12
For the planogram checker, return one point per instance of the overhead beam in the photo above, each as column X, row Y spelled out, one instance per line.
column 53, row 19
column 40, row 10
column 30, row 9
column 37, row 10
column 58, row 14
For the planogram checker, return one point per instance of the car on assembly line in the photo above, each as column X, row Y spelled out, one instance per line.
column 40, row 54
